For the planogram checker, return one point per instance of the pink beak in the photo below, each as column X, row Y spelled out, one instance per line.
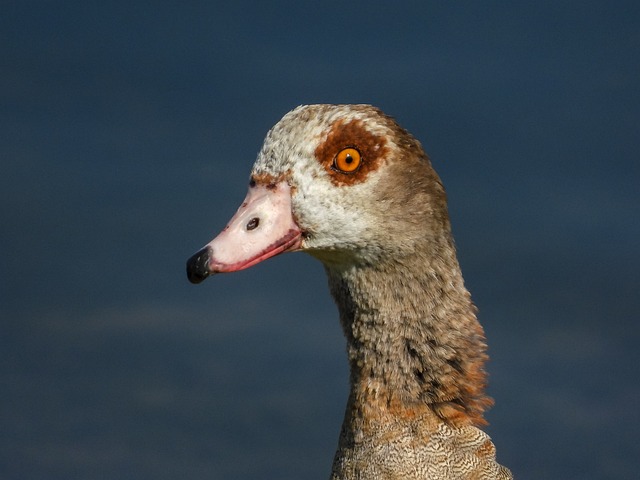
column 262, row 227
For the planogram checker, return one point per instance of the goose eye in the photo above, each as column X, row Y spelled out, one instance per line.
column 347, row 161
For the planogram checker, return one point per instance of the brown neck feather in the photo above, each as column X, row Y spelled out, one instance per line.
column 413, row 337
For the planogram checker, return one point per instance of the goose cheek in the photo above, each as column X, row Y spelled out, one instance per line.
column 262, row 227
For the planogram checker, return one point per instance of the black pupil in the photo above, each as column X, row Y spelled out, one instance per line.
column 348, row 159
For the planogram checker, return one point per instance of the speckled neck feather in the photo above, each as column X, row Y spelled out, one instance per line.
column 413, row 339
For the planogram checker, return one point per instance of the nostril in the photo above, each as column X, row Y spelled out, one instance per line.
column 253, row 223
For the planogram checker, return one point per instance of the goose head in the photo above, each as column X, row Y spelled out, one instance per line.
column 344, row 183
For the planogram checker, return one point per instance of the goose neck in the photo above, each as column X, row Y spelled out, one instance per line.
column 413, row 339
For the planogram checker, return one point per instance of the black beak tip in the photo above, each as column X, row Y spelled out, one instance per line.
column 197, row 266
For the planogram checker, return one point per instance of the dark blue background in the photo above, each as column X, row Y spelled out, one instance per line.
column 127, row 131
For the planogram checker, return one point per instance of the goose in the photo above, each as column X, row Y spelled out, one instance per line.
column 348, row 185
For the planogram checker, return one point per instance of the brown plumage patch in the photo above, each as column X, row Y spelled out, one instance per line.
column 266, row 180
column 351, row 135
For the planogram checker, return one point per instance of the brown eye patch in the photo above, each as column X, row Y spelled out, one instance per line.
column 351, row 135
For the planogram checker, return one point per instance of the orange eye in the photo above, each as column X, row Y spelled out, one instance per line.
column 347, row 161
